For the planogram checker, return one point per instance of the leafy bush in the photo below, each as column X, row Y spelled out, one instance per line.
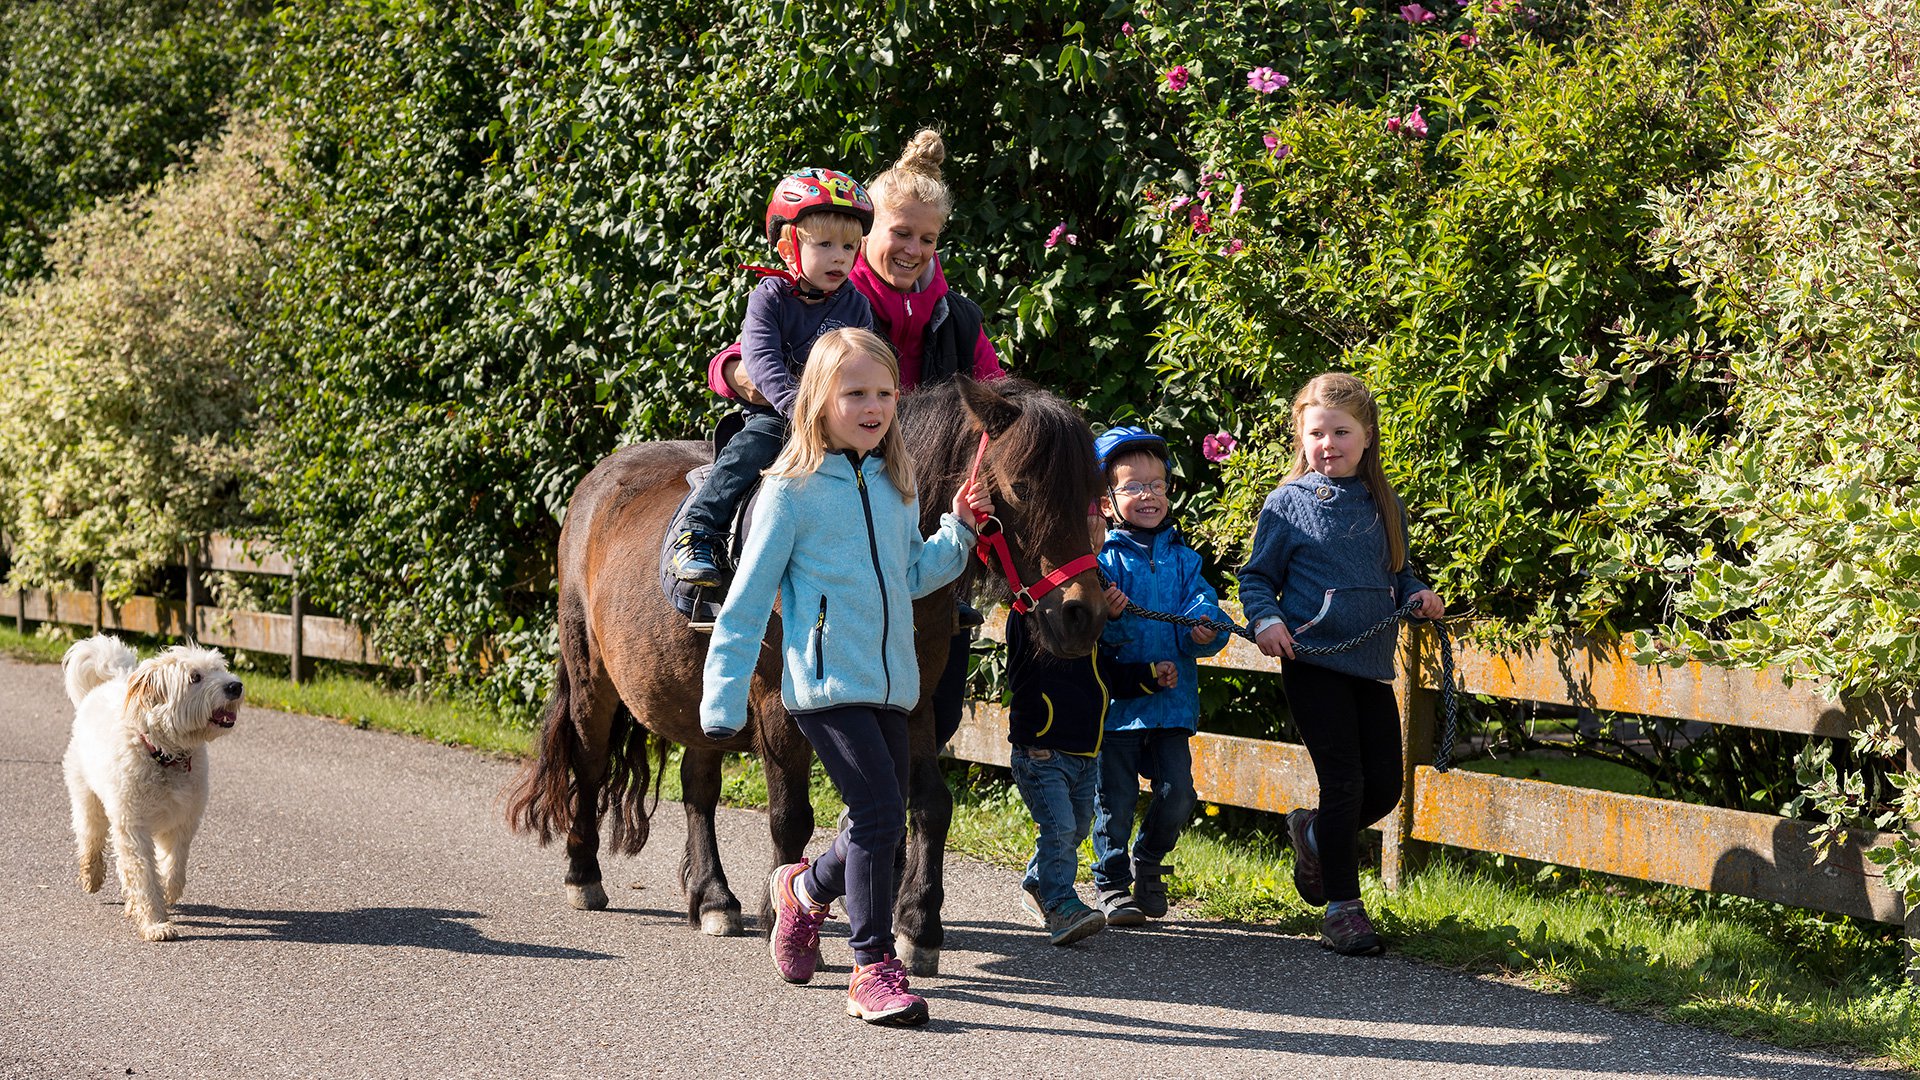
column 123, row 402
column 100, row 97
column 515, row 240
column 1804, row 260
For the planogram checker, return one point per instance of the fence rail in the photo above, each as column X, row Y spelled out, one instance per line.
column 1727, row 851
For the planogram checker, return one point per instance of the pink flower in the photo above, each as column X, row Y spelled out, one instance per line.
column 1280, row 152
column 1126, row 28
column 1239, row 192
column 1218, row 447
column 1177, row 77
column 1201, row 221
column 1265, row 80
column 1414, row 13
column 1468, row 41
column 1060, row 233
column 1203, row 194
column 1177, row 202
column 1233, row 246
column 1272, row 141
column 1393, row 125
column 1415, row 124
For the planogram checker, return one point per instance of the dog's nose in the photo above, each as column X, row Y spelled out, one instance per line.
column 233, row 689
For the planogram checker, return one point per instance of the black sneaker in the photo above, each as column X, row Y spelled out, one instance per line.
column 1150, row 889
column 1306, row 865
column 1073, row 921
column 1119, row 908
column 696, row 560
column 1350, row 933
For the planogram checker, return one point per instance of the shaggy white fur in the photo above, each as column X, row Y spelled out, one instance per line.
column 137, row 765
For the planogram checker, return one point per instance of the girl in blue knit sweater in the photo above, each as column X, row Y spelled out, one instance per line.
column 1329, row 560
column 836, row 536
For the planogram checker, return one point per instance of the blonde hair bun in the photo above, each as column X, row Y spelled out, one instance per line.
column 923, row 154
column 916, row 176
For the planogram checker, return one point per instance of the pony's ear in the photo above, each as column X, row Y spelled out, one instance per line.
column 994, row 412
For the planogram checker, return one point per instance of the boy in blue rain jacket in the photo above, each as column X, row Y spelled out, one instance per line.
column 1147, row 563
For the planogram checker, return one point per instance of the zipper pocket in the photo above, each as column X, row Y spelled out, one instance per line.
column 820, row 643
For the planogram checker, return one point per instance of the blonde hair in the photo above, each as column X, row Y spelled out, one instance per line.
column 807, row 432
column 915, row 177
column 1338, row 390
column 826, row 225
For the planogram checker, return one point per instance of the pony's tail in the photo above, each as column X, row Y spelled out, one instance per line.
column 540, row 800
column 625, row 803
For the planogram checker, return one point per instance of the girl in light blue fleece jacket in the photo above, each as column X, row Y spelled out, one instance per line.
column 1329, row 560
column 836, row 535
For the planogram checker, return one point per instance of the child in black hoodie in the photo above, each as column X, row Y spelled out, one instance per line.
column 1055, row 718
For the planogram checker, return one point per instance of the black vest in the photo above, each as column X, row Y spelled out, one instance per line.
column 948, row 348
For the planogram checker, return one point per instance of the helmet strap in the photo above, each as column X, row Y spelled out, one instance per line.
column 789, row 249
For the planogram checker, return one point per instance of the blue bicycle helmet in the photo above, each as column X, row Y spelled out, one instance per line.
column 1128, row 437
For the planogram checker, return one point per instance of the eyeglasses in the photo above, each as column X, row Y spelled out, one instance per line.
column 1133, row 489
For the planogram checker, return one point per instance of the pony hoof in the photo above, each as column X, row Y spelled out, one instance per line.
column 921, row 961
column 723, row 923
column 588, row 897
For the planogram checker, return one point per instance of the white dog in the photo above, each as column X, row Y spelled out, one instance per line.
column 137, row 765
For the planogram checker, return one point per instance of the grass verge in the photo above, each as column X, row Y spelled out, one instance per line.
column 1780, row 975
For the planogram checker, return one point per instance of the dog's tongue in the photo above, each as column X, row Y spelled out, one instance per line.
column 224, row 718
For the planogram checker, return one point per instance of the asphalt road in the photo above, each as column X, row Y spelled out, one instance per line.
column 356, row 908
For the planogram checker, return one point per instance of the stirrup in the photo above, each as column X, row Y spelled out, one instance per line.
column 706, row 608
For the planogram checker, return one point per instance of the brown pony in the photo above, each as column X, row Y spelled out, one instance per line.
column 629, row 675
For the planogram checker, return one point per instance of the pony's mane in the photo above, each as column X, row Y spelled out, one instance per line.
column 1042, row 468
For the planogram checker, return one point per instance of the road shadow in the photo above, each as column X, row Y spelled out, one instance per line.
column 424, row 928
column 1257, row 972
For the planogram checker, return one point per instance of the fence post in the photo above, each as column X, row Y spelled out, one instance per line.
column 20, row 610
column 192, row 628
column 296, row 665
column 97, row 602
column 1400, row 854
column 1910, row 731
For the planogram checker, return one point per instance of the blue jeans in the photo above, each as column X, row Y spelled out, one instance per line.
column 1163, row 757
column 1058, row 789
column 735, row 471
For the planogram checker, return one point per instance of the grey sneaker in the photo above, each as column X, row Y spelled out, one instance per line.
column 1119, row 908
column 1031, row 906
column 1350, row 933
column 1306, row 865
column 1072, row 921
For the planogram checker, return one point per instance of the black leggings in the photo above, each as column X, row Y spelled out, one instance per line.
column 1351, row 727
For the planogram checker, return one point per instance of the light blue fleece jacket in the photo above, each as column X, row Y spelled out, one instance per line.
column 843, row 552
column 1319, row 563
column 1159, row 572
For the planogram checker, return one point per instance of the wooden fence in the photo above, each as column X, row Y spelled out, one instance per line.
column 295, row 635
column 1726, row 851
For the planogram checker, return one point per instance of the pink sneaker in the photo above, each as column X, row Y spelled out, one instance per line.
column 795, row 941
column 878, row 994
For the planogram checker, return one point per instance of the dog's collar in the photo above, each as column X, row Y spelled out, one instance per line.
column 183, row 762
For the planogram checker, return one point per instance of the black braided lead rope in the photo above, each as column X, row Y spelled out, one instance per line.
column 1449, row 687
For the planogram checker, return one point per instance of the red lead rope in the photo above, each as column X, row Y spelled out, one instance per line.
column 994, row 539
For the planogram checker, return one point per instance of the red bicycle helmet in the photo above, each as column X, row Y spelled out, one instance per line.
column 811, row 191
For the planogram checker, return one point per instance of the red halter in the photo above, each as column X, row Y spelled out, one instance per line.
column 993, row 539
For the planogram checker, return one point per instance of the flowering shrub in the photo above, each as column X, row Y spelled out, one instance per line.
column 124, row 398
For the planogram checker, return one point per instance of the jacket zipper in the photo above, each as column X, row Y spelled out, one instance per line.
column 820, row 643
column 873, row 548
